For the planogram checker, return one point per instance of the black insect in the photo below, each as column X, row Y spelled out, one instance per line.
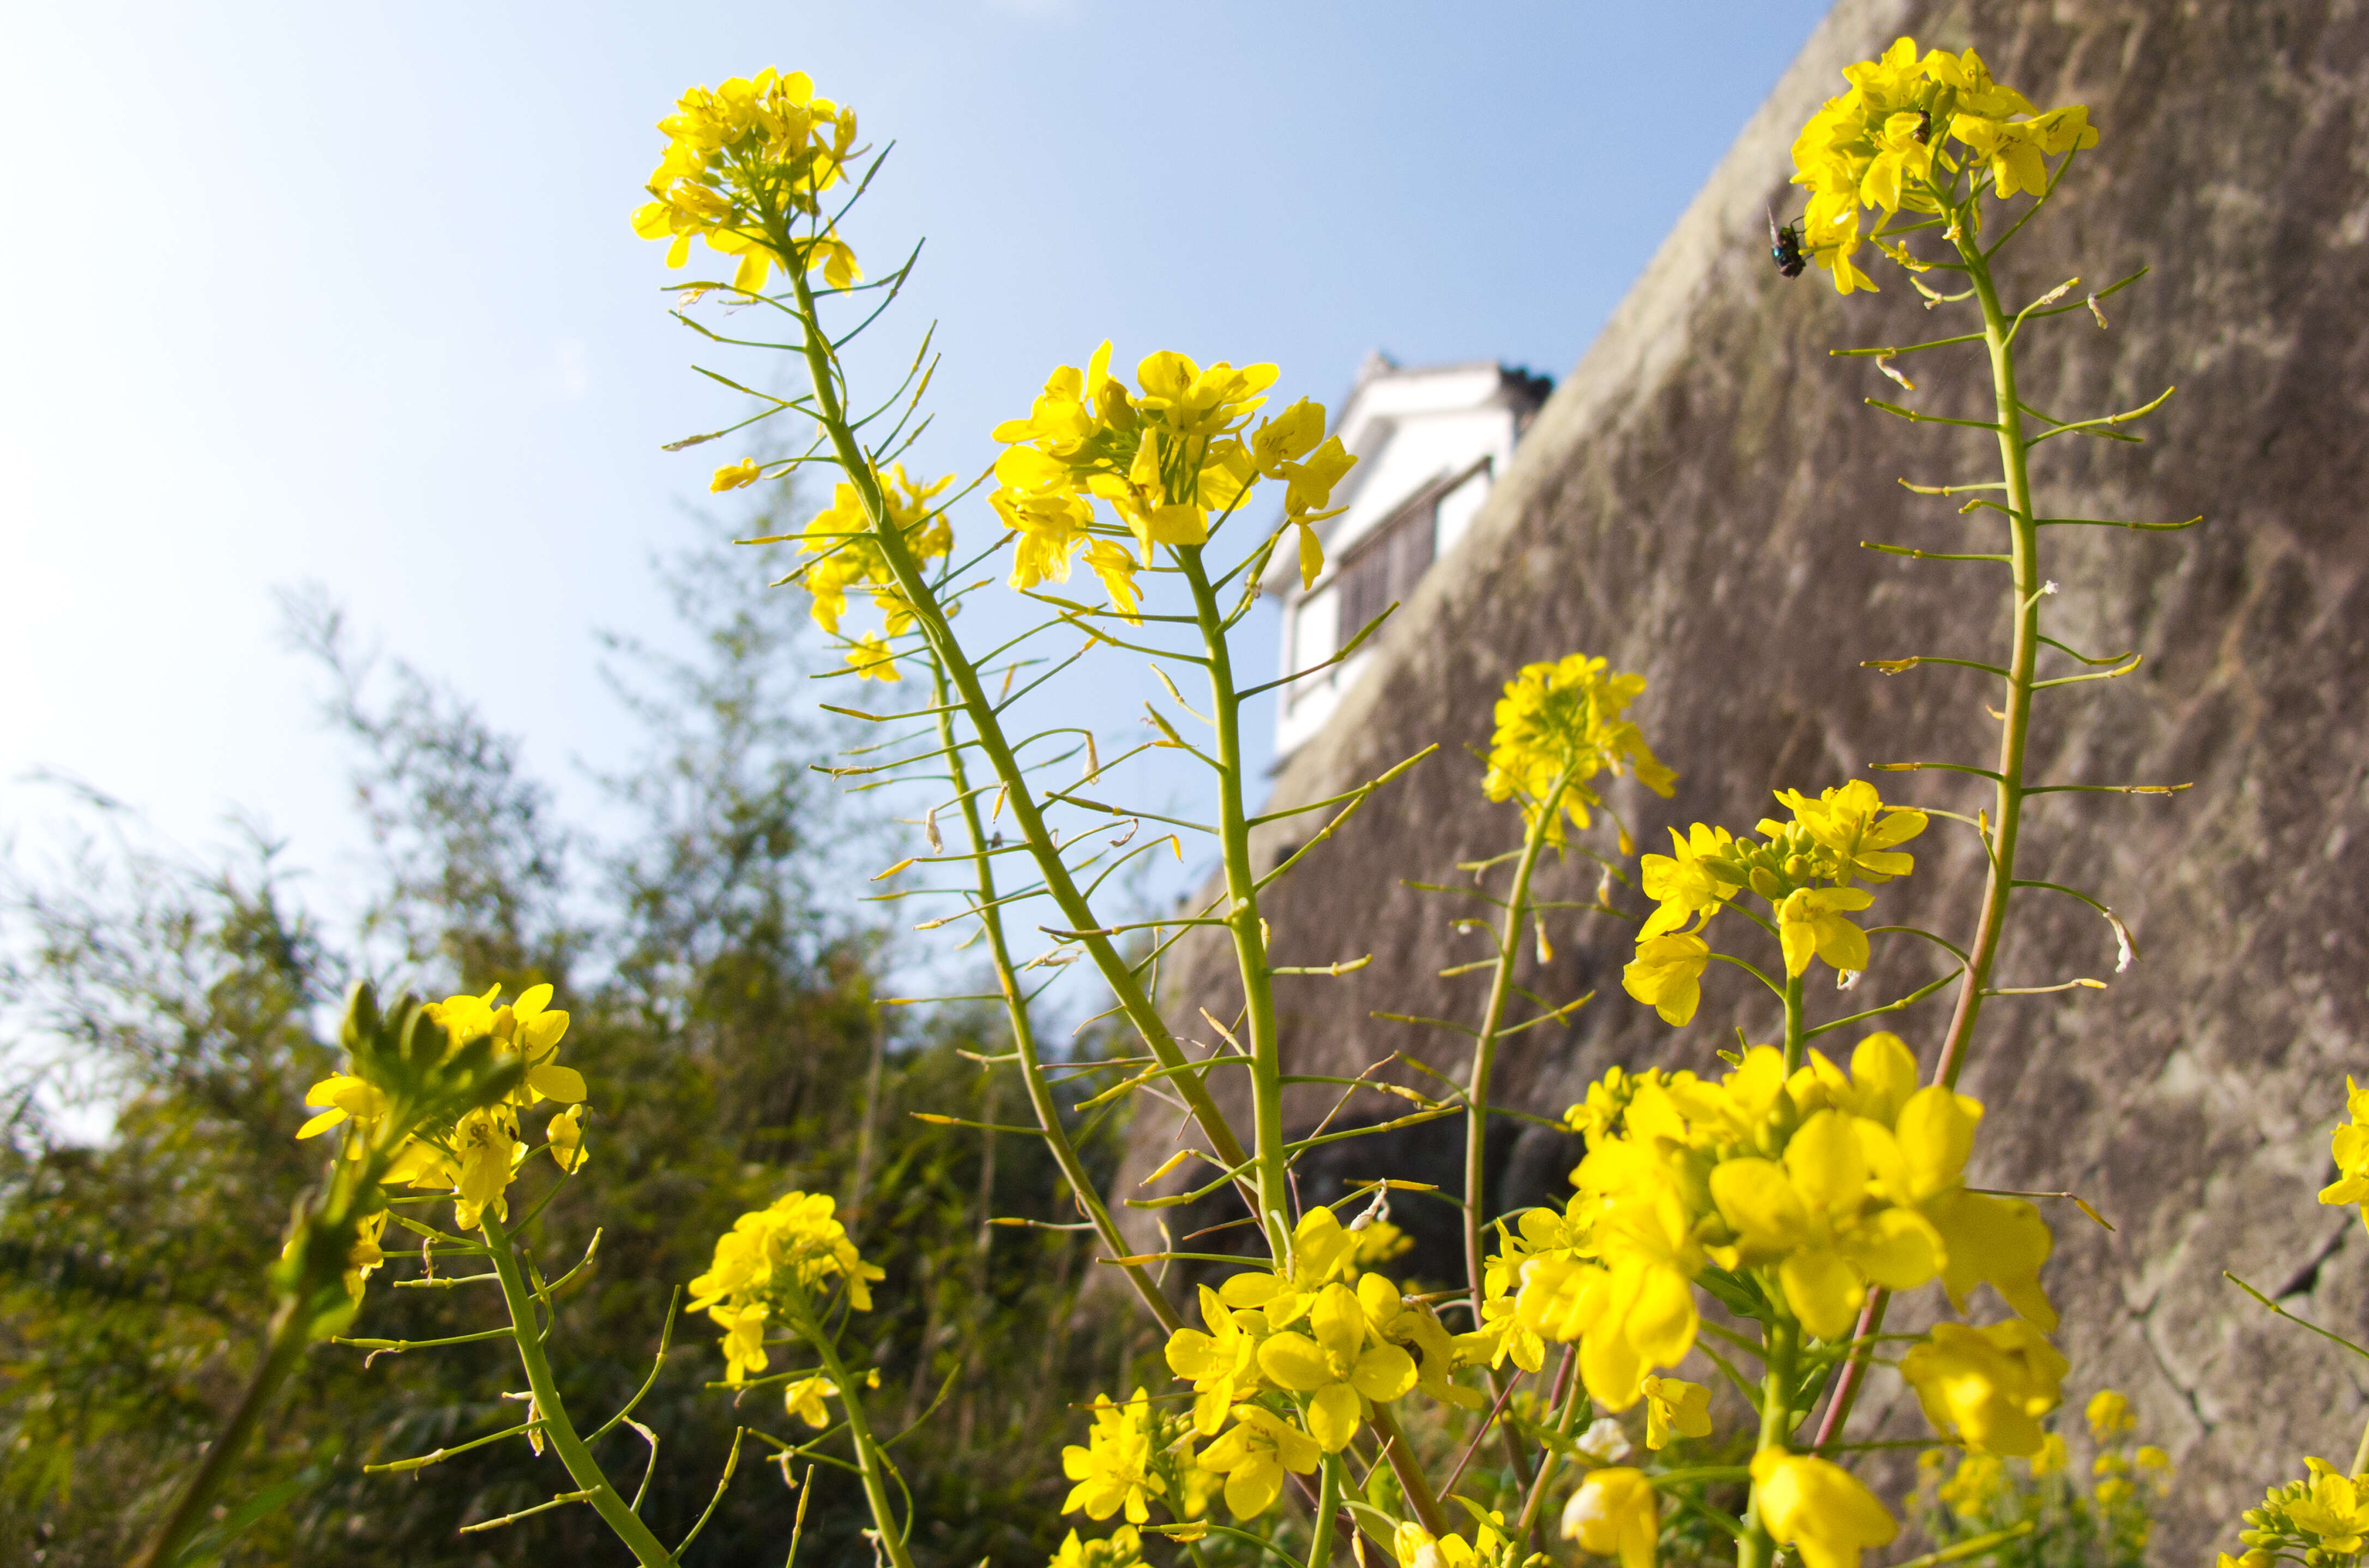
column 1785, row 249
column 1925, row 126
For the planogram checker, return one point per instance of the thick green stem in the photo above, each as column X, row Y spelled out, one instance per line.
column 2015, row 465
column 1328, row 1504
column 870, row 1463
column 986, row 728
column 1757, row 1549
column 581, row 1467
column 2014, row 736
column 1241, row 912
column 1023, row 1034
column 284, row 1351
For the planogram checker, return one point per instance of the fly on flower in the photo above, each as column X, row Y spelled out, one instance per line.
column 1785, row 248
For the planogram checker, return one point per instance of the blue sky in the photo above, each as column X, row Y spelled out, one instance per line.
column 347, row 295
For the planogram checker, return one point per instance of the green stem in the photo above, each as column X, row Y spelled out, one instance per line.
column 869, row 1461
column 581, row 1467
column 283, row 1352
column 987, row 729
column 1484, row 1045
column 2014, row 736
column 1023, row 1034
column 1794, row 1037
column 1549, row 1462
column 2024, row 559
column 1757, row 1549
column 1242, row 915
column 1328, row 1504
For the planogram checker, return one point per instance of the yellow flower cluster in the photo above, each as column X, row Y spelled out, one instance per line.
column 1816, row 1186
column 2322, row 1517
column 1819, row 1508
column 476, row 1157
column 1563, row 720
column 1316, row 1337
column 1490, row 1546
column 1884, row 145
column 1123, row 1549
column 782, row 1256
column 742, row 162
column 1165, row 457
column 2351, row 1149
column 842, row 534
column 1805, row 869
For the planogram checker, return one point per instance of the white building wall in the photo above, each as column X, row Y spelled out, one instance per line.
column 1412, row 430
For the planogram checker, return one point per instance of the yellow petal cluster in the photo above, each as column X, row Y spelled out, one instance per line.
column 1121, row 1549
column 1253, row 1456
column 1884, row 146
column 1807, row 869
column 1819, row 1508
column 2324, row 1516
column 1170, row 458
column 786, row 1256
column 1114, row 1470
column 477, row 1156
column 1565, row 719
column 744, row 168
column 2350, row 1147
column 1988, row 1387
column 1615, row 1514
column 1822, row 1184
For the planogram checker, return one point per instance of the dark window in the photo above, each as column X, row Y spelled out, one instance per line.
column 1385, row 565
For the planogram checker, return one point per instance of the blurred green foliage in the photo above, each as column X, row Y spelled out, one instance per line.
column 725, row 1019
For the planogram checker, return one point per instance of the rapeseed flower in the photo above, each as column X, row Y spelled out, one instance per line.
column 1615, row 1514
column 1221, row 1364
column 804, row 1399
column 1819, row 1508
column 1988, row 1387
column 1674, row 1407
column 1253, row 1456
column 1884, row 146
column 744, row 169
column 1114, row 1470
column 1565, row 719
column 1123, row 1549
column 1339, row 1364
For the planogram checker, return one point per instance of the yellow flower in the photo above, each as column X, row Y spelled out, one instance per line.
column 1687, row 883
column 733, row 475
column 2109, row 1414
column 1998, row 1241
column 1114, row 1470
column 872, row 658
column 1221, row 1364
column 1615, row 1514
column 487, row 1142
column 365, row 1256
column 1564, row 719
column 804, row 1399
column 565, row 1133
column 1980, row 1479
column 1637, row 1311
column 1858, row 830
column 2350, row 1147
column 744, row 163
column 1414, row 1328
column 1818, row 1507
column 1321, row 1251
column 795, row 1245
column 1123, row 1549
column 1338, row 1368
column 1987, row 1385
column 347, row 1098
column 2149, row 1457
column 2335, row 1509
column 1810, row 923
column 1254, row 1454
column 1667, row 976
column 1675, row 1405
column 744, row 1339
column 1812, row 1215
